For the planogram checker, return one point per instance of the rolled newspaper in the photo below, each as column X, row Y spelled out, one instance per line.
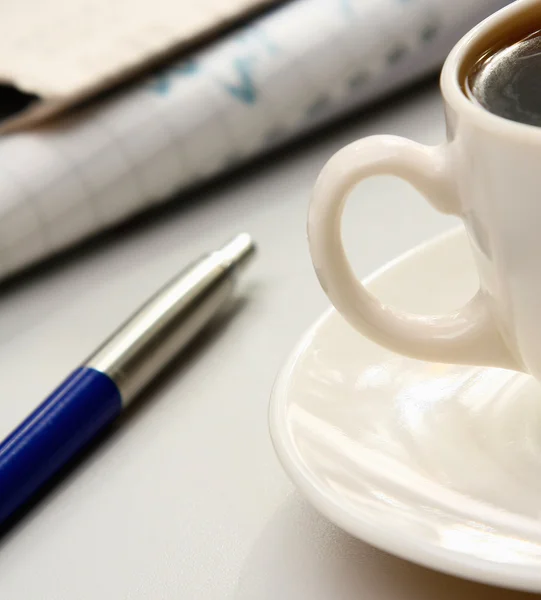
column 282, row 75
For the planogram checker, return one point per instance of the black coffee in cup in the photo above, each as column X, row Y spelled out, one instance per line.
column 506, row 80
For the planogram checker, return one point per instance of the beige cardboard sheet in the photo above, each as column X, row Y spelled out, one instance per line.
column 66, row 50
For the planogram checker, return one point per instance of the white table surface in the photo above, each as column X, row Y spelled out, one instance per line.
column 186, row 498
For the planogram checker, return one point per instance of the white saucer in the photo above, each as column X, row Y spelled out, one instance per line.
column 437, row 464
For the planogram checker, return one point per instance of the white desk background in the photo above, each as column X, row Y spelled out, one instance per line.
column 186, row 500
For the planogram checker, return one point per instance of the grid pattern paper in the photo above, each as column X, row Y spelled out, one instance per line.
column 282, row 75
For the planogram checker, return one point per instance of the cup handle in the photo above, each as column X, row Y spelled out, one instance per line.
column 467, row 336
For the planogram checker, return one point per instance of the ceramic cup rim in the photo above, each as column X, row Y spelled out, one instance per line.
column 451, row 75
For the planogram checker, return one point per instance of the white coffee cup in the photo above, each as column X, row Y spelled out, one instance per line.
column 489, row 174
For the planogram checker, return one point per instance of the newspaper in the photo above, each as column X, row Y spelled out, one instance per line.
column 278, row 77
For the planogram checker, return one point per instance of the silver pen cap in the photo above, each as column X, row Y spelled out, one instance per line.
column 165, row 324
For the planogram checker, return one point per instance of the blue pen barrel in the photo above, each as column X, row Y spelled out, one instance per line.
column 75, row 413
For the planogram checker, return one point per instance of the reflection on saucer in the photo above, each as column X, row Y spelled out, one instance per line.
column 436, row 463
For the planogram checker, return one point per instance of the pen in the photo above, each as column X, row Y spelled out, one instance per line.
column 95, row 394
